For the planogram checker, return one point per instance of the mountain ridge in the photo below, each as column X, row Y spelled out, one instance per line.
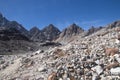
column 51, row 32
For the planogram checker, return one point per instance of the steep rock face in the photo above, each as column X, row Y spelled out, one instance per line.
column 17, row 26
column 11, row 34
column 38, row 37
column 14, row 38
column 69, row 34
column 3, row 20
column 34, row 31
column 72, row 30
column 51, row 32
column 114, row 24
column 12, row 24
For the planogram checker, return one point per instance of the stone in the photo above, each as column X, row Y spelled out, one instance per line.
column 52, row 76
column 115, row 71
column 42, row 69
column 98, row 69
column 111, row 51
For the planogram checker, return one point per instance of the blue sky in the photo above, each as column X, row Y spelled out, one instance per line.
column 61, row 13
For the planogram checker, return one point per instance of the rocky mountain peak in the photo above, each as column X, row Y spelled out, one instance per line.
column 34, row 30
column 51, row 28
column 51, row 32
column 48, row 33
column 71, row 30
column 3, row 20
column 36, row 34
column 75, row 28
column 12, row 24
column 16, row 25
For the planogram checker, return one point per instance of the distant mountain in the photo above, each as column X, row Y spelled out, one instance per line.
column 70, row 33
column 12, row 24
column 3, row 20
column 34, row 31
column 14, row 38
column 72, row 30
column 37, row 35
column 49, row 33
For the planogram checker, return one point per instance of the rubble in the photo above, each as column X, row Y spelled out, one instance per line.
column 84, row 59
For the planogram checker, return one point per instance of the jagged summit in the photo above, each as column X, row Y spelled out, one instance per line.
column 71, row 30
column 36, row 34
column 69, row 33
column 34, row 30
column 12, row 24
column 51, row 32
column 3, row 20
column 48, row 33
column 50, row 28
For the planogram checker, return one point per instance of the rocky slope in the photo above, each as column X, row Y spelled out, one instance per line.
column 13, row 42
column 69, row 33
column 94, row 57
column 92, row 30
column 114, row 24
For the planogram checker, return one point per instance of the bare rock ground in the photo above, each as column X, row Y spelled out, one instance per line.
column 94, row 57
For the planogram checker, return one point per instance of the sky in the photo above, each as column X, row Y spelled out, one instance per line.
column 61, row 13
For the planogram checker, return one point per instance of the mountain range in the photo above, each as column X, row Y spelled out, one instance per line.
column 10, row 30
column 49, row 33
column 13, row 31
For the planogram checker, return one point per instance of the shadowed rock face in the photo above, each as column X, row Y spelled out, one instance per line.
column 36, row 35
column 12, row 24
column 49, row 33
column 13, row 42
column 3, row 20
column 34, row 31
column 17, row 26
column 14, row 38
column 11, row 34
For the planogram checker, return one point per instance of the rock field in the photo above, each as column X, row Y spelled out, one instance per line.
column 94, row 57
